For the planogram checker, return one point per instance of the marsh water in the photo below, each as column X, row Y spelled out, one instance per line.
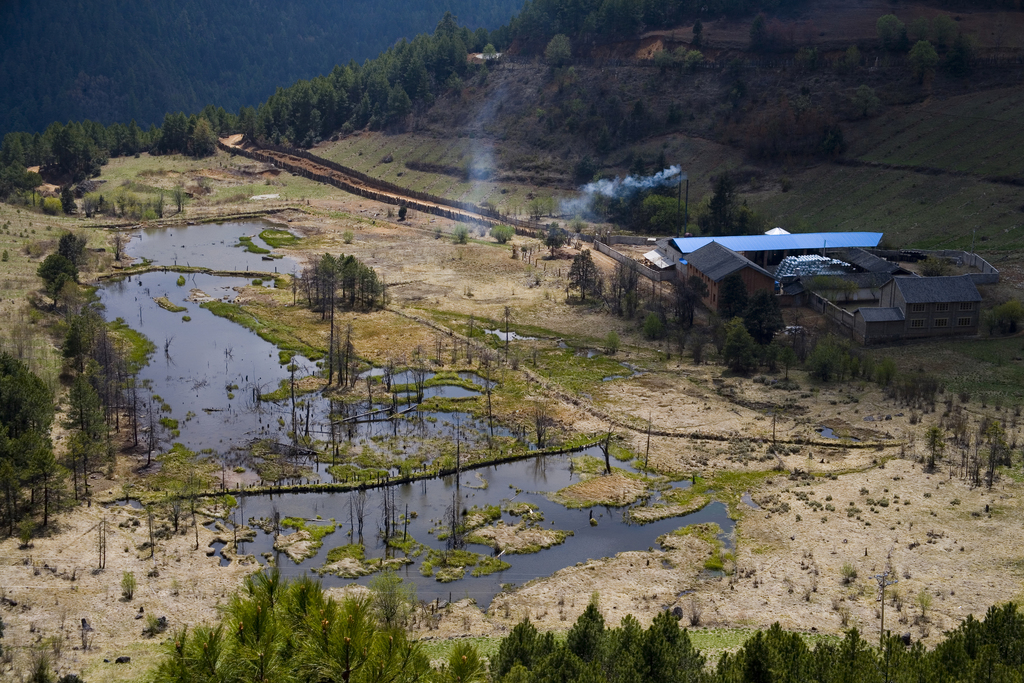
column 208, row 373
column 210, row 245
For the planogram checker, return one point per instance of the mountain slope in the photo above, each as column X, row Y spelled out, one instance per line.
column 120, row 60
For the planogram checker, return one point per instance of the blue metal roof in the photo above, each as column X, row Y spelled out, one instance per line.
column 806, row 240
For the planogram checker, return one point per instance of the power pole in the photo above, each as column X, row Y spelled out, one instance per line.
column 648, row 454
column 883, row 583
column 102, row 546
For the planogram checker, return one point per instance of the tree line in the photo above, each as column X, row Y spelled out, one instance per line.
column 374, row 94
column 101, row 365
column 120, row 60
column 278, row 630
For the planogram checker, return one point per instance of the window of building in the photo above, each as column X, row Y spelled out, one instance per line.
column 917, row 308
column 918, row 322
column 963, row 322
column 941, row 322
column 942, row 308
column 966, row 305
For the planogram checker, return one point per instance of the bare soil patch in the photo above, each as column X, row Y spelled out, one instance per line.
column 612, row 489
column 519, row 537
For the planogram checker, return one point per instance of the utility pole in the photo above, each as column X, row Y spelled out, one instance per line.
column 683, row 178
column 648, row 454
column 686, row 206
column 883, row 583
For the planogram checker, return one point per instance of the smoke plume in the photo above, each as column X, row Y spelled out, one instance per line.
column 619, row 188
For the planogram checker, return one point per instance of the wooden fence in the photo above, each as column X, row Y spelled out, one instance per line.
column 383, row 191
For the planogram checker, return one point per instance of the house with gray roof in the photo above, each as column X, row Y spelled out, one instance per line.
column 916, row 307
column 713, row 262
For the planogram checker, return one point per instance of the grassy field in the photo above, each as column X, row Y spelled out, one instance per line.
column 525, row 175
column 212, row 182
column 366, row 152
column 990, row 370
column 974, row 133
column 26, row 238
column 912, row 209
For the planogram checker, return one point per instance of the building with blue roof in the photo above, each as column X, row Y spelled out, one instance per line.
column 770, row 249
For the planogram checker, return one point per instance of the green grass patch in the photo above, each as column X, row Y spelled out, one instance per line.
column 139, row 347
column 252, row 248
column 354, row 473
column 489, row 565
column 279, row 238
column 181, row 468
column 986, row 369
column 278, row 333
column 165, row 303
column 406, row 543
column 450, row 565
column 354, row 551
column 903, row 204
column 168, row 423
column 315, row 531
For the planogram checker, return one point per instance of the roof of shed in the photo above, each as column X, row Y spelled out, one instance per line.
column 658, row 259
column 930, row 290
column 881, row 315
column 867, row 280
column 718, row 262
column 867, row 261
column 795, row 242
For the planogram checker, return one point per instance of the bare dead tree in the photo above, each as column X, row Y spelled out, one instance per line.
column 360, row 511
column 606, row 448
column 542, row 422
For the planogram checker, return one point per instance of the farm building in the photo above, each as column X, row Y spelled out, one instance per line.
column 713, row 262
column 916, row 307
column 768, row 250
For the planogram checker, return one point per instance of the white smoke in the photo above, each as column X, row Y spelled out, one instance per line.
column 619, row 188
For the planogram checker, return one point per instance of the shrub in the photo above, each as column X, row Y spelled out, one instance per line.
column 52, row 206
column 347, row 236
column 154, row 625
column 181, row 281
column 848, row 572
column 892, row 33
column 934, row 267
column 653, row 326
column 128, row 585
column 1005, row 317
column 461, row 234
column 502, row 233
column 692, row 60
column 558, row 50
column 924, row 602
column 611, row 342
column 25, row 530
column 885, row 371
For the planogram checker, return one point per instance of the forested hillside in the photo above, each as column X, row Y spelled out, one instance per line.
column 119, row 60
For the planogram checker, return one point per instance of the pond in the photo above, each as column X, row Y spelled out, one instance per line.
column 827, row 433
column 212, row 245
column 524, row 481
column 207, row 378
